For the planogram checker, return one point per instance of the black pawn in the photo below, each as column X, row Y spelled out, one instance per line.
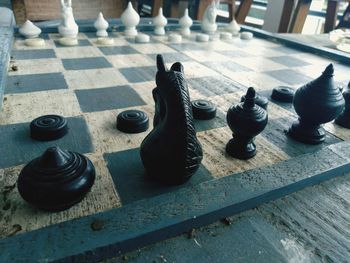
column 344, row 118
column 316, row 103
column 246, row 120
column 283, row 94
column 261, row 101
column 48, row 127
column 132, row 121
column 56, row 180
column 203, row 110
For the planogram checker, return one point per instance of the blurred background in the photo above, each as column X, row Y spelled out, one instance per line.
column 260, row 13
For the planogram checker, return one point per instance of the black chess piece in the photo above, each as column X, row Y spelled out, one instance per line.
column 171, row 153
column 283, row 94
column 260, row 100
column 316, row 103
column 56, row 180
column 48, row 127
column 246, row 120
column 203, row 110
column 132, row 121
column 344, row 118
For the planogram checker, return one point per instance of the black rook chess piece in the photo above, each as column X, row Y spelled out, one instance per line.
column 246, row 120
column 171, row 153
column 344, row 118
column 56, row 180
column 316, row 103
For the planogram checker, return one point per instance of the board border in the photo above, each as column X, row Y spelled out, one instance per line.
column 158, row 218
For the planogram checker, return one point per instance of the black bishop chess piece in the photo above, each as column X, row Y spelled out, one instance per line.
column 171, row 152
column 316, row 103
column 344, row 118
column 246, row 120
column 56, row 180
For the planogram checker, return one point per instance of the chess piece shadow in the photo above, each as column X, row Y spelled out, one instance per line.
column 171, row 152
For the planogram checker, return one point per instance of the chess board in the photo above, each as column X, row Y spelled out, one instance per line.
column 91, row 84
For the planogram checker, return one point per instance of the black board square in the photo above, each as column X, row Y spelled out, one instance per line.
column 35, row 82
column 139, row 74
column 212, row 86
column 288, row 76
column 119, row 97
column 17, row 147
column 217, row 122
column 131, row 182
column 118, row 50
column 286, row 50
column 286, row 105
column 172, row 57
column 86, row 63
column 187, row 46
column 275, row 133
column 33, row 54
column 81, row 43
column 227, row 65
column 289, row 61
column 235, row 53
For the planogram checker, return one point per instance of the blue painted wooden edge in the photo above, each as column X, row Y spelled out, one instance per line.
column 155, row 219
column 321, row 51
column 6, row 41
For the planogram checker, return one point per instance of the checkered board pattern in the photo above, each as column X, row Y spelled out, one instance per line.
column 90, row 84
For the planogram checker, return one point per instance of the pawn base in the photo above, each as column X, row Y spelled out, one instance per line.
column 309, row 134
column 159, row 31
column 102, row 33
column 241, row 150
column 130, row 31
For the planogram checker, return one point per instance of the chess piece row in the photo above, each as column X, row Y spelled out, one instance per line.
column 68, row 28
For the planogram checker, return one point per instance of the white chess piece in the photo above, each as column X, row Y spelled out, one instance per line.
column 209, row 19
column 34, row 42
column 159, row 23
column 101, row 26
column 233, row 27
column 29, row 30
column 185, row 23
column 175, row 38
column 68, row 27
column 142, row 38
column 130, row 19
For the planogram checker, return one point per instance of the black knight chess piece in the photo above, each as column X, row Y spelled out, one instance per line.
column 316, row 103
column 246, row 120
column 344, row 118
column 171, row 153
column 56, row 180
